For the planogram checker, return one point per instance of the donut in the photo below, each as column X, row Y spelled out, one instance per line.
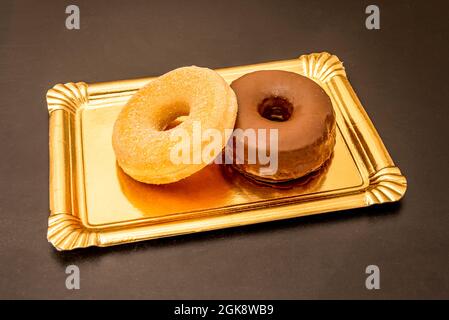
column 144, row 135
column 299, row 109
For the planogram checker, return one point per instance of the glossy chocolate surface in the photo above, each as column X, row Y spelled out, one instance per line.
column 298, row 108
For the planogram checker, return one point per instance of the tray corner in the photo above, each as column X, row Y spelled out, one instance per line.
column 386, row 185
column 67, row 232
column 322, row 66
column 69, row 96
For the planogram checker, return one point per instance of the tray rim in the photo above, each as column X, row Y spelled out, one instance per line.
column 67, row 231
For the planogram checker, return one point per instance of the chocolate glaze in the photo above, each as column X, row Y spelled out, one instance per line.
column 301, row 111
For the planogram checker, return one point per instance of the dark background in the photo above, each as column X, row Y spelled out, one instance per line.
column 399, row 72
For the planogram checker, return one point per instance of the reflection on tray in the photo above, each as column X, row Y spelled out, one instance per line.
column 205, row 189
column 215, row 186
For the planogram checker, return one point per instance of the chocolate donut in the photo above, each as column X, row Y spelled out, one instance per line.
column 298, row 108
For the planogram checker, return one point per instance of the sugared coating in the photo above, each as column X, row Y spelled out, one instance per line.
column 140, row 140
column 300, row 110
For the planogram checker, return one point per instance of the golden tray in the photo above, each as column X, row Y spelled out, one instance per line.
column 93, row 203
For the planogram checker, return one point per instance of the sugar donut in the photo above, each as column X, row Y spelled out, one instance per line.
column 141, row 141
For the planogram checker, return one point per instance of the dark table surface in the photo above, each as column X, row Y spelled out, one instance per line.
column 399, row 72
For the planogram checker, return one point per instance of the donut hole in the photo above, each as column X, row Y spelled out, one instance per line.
column 275, row 108
column 176, row 122
column 177, row 115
